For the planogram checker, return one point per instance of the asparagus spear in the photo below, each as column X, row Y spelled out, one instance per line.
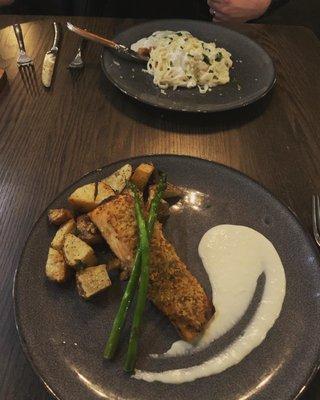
column 143, row 286
column 114, row 336
column 119, row 320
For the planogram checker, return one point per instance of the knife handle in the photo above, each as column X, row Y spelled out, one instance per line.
column 18, row 32
column 93, row 37
column 56, row 34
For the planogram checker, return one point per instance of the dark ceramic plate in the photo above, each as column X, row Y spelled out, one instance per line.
column 64, row 336
column 252, row 77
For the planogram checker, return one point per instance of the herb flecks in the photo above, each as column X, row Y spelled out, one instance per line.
column 218, row 57
column 206, row 59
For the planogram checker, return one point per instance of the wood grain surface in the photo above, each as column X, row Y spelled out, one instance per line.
column 50, row 138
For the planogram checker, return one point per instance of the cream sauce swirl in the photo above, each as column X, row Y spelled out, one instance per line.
column 234, row 258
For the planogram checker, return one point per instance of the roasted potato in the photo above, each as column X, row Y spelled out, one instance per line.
column 87, row 231
column 142, row 175
column 88, row 197
column 56, row 267
column 119, row 178
column 92, row 280
column 57, row 241
column 58, row 216
column 77, row 252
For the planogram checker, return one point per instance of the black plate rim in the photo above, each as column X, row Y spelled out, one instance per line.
column 218, row 108
column 314, row 369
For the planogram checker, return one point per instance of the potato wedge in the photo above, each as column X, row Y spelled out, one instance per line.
column 142, row 175
column 57, row 241
column 87, row 231
column 92, row 280
column 58, row 216
column 88, row 197
column 76, row 252
column 118, row 179
column 56, row 267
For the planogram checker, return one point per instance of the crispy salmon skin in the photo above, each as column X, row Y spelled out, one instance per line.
column 173, row 289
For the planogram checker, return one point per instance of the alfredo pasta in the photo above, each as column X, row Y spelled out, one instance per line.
column 178, row 59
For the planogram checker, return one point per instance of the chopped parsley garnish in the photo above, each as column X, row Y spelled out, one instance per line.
column 179, row 33
column 218, row 57
column 190, row 55
column 171, row 64
column 206, row 59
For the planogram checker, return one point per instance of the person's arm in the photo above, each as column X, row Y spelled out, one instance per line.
column 240, row 10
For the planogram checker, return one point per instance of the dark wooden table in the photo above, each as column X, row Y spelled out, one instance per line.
column 50, row 138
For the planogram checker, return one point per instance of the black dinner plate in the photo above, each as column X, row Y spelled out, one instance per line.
column 252, row 75
column 63, row 336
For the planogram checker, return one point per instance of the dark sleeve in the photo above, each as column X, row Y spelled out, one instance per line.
column 275, row 4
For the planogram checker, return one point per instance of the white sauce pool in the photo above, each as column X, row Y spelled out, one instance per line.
column 234, row 258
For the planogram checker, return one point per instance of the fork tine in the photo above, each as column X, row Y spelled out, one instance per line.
column 318, row 212
column 75, row 74
column 27, row 73
column 316, row 218
column 24, row 79
column 33, row 79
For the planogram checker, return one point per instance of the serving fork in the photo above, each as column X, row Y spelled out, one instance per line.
column 23, row 59
column 316, row 218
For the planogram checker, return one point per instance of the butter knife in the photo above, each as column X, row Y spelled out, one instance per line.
column 50, row 58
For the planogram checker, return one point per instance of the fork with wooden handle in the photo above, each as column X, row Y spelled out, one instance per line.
column 120, row 48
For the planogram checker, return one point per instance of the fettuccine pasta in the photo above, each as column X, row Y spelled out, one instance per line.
column 178, row 59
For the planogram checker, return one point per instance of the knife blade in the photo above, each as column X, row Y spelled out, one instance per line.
column 50, row 58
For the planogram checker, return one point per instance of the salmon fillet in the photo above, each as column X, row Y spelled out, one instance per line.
column 172, row 287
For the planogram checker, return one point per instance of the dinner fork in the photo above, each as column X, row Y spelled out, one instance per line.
column 23, row 59
column 77, row 62
column 25, row 64
column 316, row 218
column 29, row 79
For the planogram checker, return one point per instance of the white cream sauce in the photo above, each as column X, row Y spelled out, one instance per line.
column 234, row 258
column 153, row 40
